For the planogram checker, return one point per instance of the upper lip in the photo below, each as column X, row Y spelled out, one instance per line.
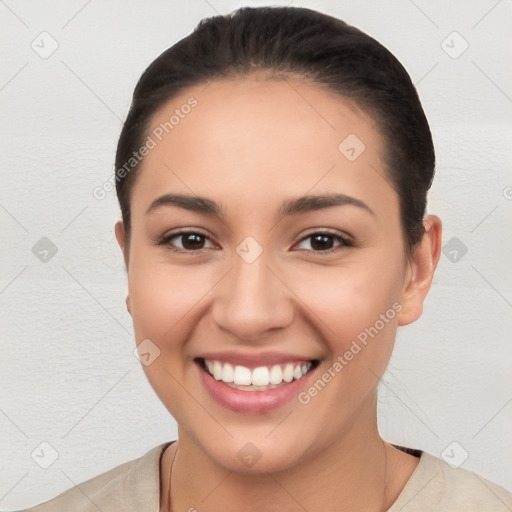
column 254, row 360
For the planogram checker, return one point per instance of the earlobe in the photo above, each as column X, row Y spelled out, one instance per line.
column 120, row 234
column 422, row 266
column 121, row 240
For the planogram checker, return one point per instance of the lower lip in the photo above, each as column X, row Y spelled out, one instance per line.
column 252, row 402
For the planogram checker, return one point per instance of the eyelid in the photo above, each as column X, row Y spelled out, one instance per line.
column 326, row 231
column 346, row 240
column 165, row 239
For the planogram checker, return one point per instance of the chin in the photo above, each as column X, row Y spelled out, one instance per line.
column 255, row 455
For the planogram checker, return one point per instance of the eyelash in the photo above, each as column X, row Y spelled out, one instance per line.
column 344, row 241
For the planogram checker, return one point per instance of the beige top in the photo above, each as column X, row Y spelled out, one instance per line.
column 135, row 487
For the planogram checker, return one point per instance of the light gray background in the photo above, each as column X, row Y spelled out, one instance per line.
column 68, row 375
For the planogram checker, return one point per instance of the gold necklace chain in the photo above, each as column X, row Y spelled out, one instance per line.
column 384, row 499
column 170, row 476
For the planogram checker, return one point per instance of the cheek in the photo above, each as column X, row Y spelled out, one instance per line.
column 163, row 296
column 355, row 312
column 349, row 299
column 167, row 304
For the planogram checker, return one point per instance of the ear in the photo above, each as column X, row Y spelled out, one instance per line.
column 422, row 265
column 121, row 240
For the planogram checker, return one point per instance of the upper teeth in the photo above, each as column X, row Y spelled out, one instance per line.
column 260, row 376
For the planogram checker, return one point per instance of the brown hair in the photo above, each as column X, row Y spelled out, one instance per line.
column 304, row 42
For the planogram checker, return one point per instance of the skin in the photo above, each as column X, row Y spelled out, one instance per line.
column 251, row 144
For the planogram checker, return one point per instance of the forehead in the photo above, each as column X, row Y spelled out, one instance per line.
column 253, row 138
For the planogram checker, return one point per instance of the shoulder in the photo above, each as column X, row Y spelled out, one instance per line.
column 435, row 485
column 134, row 485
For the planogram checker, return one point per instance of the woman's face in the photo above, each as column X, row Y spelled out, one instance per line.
column 296, row 256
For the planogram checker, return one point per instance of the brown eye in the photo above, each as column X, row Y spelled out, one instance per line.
column 324, row 242
column 186, row 241
column 192, row 241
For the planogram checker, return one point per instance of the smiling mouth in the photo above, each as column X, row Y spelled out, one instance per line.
column 260, row 378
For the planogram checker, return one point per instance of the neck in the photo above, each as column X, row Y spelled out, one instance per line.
column 356, row 472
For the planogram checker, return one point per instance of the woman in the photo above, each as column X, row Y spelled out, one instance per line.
column 272, row 177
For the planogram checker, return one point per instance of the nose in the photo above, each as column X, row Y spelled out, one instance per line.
column 252, row 301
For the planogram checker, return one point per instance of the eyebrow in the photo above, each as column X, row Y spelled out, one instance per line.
column 289, row 207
